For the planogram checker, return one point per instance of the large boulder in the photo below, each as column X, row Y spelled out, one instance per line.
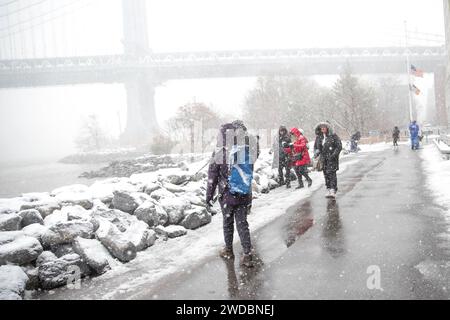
column 66, row 232
column 13, row 281
column 74, row 195
column 45, row 257
column 45, row 207
column 10, row 236
column 171, row 231
column 93, row 253
column 78, row 213
column 196, row 218
column 21, row 251
column 62, row 271
column 120, row 247
column 175, row 208
column 30, row 216
column 162, row 194
column 140, row 235
column 128, row 201
column 35, row 230
column 152, row 213
column 10, row 222
column 119, row 218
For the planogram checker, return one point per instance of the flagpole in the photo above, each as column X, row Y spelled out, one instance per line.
column 408, row 70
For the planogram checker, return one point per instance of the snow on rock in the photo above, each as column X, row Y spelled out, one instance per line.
column 115, row 241
column 161, row 194
column 152, row 213
column 10, row 222
column 45, row 208
column 194, row 199
column 173, row 188
column 171, row 231
column 119, row 218
column 196, row 218
column 93, row 253
column 99, row 206
column 77, row 213
column 13, row 281
column 35, row 230
column 175, row 208
column 61, row 271
column 264, row 184
column 140, row 235
column 10, row 236
column 20, row 251
column 66, row 232
column 178, row 178
column 45, row 257
column 128, row 201
column 151, row 187
column 30, row 216
column 33, row 277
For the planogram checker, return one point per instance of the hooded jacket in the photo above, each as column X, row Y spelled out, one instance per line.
column 281, row 155
column 300, row 149
column 218, row 172
column 330, row 149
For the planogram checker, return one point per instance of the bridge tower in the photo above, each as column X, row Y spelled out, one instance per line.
column 140, row 87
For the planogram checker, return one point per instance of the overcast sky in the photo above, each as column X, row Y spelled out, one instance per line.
column 44, row 121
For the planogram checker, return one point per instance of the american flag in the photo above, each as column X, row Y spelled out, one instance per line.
column 415, row 89
column 416, row 72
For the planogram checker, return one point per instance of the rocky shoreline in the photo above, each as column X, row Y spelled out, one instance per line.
column 49, row 239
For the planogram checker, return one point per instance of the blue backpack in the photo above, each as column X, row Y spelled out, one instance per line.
column 240, row 171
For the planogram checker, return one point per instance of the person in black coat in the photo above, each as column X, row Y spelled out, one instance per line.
column 328, row 147
column 396, row 136
column 282, row 156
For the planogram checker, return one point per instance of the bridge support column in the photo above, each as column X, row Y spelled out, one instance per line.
column 142, row 124
column 440, row 76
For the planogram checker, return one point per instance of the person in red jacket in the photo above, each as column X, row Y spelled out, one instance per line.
column 301, row 158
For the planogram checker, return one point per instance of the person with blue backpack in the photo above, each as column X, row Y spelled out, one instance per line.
column 231, row 171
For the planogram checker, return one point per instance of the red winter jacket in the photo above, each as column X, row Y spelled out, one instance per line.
column 300, row 147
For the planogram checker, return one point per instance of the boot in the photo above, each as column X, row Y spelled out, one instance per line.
column 226, row 253
column 310, row 182
column 300, row 185
column 288, row 184
column 247, row 261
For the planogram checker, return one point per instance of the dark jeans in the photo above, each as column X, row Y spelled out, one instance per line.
column 302, row 171
column 287, row 166
column 330, row 179
column 238, row 213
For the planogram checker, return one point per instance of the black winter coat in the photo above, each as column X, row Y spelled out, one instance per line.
column 330, row 151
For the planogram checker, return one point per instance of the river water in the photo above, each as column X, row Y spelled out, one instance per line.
column 40, row 176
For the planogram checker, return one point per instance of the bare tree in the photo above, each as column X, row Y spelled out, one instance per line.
column 91, row 136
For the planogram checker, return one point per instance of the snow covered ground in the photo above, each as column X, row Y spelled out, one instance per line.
column 437, row 171
column 69, row 211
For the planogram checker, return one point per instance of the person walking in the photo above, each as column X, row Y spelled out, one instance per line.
column 414, row 130
column 396, row 136
column 328, row 147
column 231, row 171
column 282, row 157
column 301, row 158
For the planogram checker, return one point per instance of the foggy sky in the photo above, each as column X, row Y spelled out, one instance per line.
column 44, row 122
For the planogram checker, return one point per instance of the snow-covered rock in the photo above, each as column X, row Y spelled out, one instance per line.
column 196, row 218
column 128, row 201
column 10, row 222
column 77, row 212
column 140, row 235
column 61, row 250
column 35, row 230
column 161, row 194
column 59, row 272
column 152, row 213
column 30, row 216
column 171, row 231
column 45, row 257
column 74, row 195
column 151, row 187
column 173, row 188
column 264, row 184
column 273, row 184
column 114, row 240
column 13, row 281
column 33, row 277
column 10, row 236
column 66, row 232
column 119, row 218
column 93, row 253
column 44, row 208
column 175, row 208
column 178, row 178
column 21, row 251
column 194, row 199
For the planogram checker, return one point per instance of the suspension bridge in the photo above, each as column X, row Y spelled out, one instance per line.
column 34, row 53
